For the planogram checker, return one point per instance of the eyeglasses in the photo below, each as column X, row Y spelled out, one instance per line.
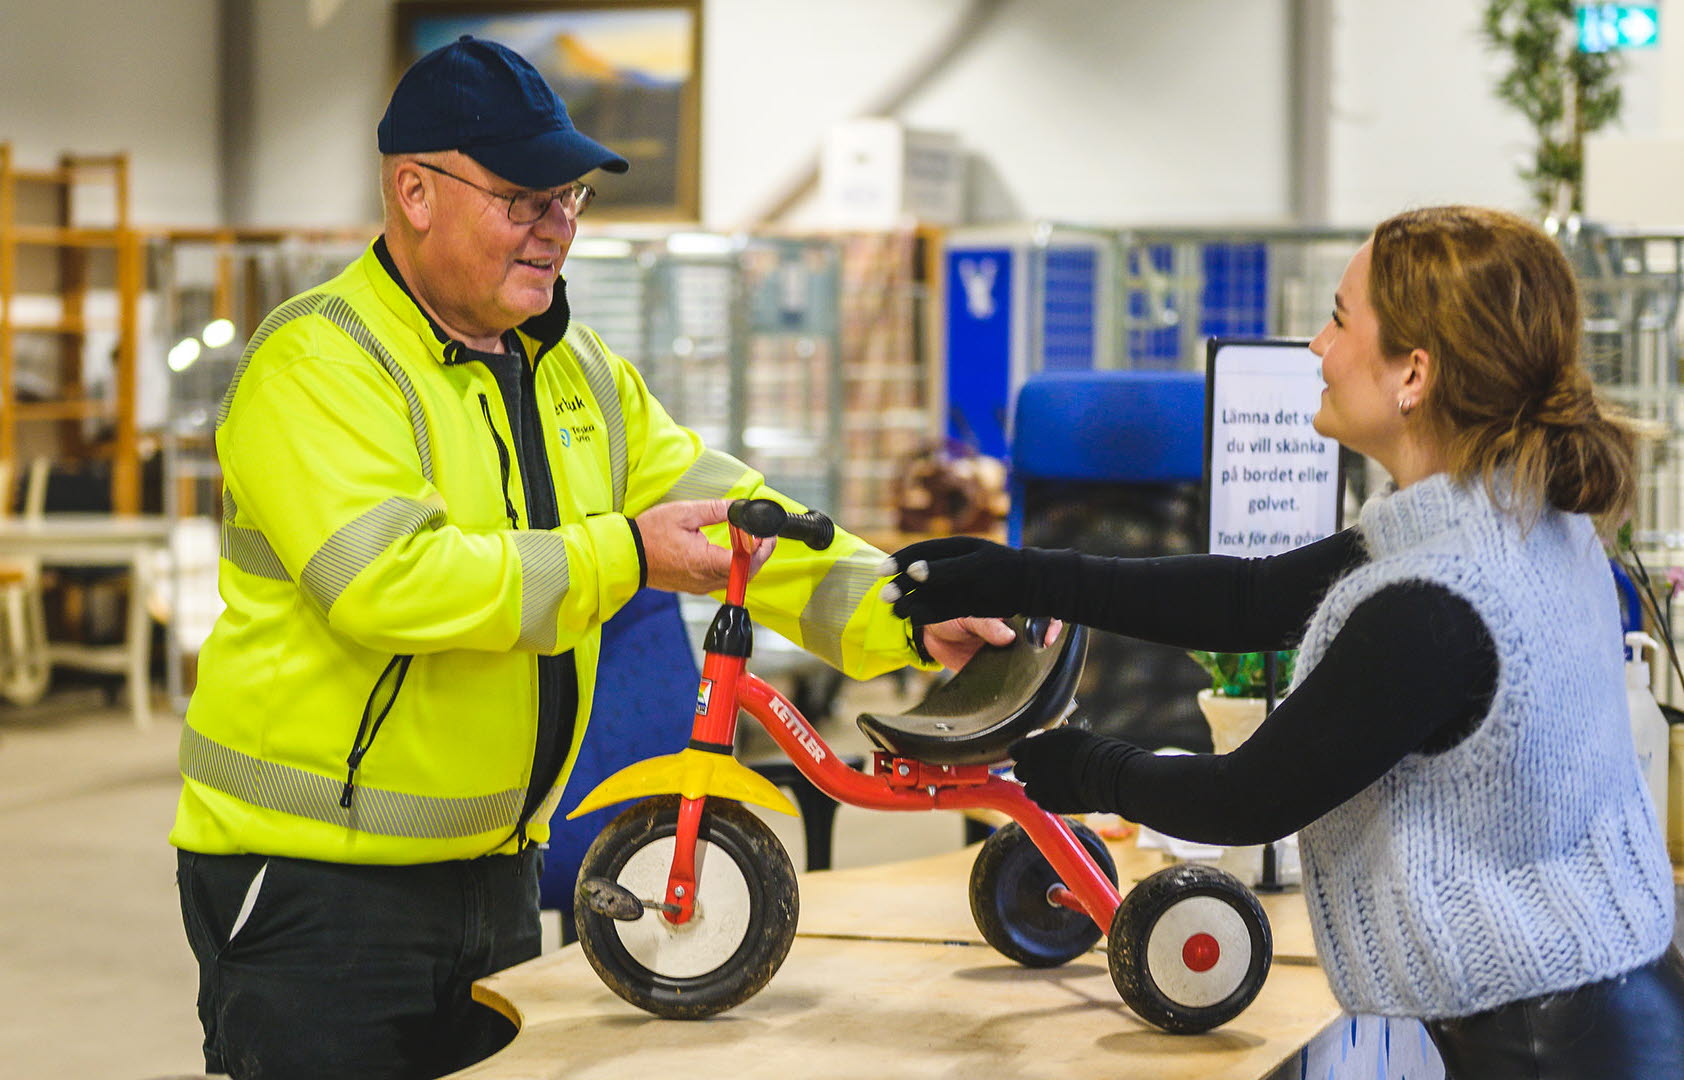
column 527, row 206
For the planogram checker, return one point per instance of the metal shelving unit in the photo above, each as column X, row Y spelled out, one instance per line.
column 1633, row 288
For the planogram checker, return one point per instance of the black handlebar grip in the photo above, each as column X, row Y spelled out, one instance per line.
column 763, row 517
column 812, row 528
column 757, row 517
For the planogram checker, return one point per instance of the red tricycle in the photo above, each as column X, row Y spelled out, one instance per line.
column 686, row 936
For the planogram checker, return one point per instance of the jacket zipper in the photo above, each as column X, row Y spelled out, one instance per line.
column 371, row 728
column 502, row 461
column 558, row 676
column 558, row 685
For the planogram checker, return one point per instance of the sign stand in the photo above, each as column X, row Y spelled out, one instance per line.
column 1272, row 482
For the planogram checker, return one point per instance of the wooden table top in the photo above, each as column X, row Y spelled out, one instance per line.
column 888, row 976
column 926, row 900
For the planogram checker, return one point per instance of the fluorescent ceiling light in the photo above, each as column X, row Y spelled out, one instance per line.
column 182, row 356
column 217, row 333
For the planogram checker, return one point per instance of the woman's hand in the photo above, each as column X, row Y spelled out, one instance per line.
column 1050, row 767
column 939, row 580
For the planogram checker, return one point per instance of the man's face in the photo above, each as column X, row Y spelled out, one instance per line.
column 490, row 273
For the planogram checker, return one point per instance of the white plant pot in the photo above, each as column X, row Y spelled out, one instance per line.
column 1231, row 719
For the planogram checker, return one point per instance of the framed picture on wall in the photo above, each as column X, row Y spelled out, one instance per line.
column 629, row 70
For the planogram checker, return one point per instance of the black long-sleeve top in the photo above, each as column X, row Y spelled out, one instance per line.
column 1413, row 670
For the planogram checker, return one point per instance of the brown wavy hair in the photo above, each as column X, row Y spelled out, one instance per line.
column 1494, row 303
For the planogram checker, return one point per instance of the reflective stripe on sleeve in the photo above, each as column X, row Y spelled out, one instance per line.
column 347, row 551
column 543, row 585
column 340, row 314
column 358, row 543
column 311, row 795
column 601, row 381
column 710, row 476
column 296, row 308
column 834, row 601
column 246, row 548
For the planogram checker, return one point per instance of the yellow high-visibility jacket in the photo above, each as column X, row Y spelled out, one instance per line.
column 371, row 692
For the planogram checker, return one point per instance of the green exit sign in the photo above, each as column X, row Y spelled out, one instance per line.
column 1603, row 27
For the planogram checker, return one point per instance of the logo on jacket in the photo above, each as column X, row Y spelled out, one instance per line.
column 573, row 433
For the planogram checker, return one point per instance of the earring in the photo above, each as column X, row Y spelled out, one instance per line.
column 1403, row 407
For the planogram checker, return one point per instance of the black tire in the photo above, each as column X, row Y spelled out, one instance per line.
column 742, row 927
column 1009, row 883
column 1189, row 948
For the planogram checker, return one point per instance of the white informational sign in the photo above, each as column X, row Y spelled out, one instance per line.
column 1274, row 482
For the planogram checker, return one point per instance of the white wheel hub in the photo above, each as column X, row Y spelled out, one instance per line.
column 1198, row 952
column 714, row 930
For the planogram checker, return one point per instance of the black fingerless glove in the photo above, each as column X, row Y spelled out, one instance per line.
column 1070, row 771
column 937, row 580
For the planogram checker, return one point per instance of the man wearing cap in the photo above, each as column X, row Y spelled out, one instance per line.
column 437, row 488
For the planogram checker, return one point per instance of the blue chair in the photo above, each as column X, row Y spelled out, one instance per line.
column 1112, row 463
column 645, row 698
column 1106, row 428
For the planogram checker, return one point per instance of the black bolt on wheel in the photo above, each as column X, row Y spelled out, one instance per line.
column 739, row 934
column 1189, row 948
column 1009, row 884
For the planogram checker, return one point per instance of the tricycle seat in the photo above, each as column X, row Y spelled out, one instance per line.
column 1002, row 695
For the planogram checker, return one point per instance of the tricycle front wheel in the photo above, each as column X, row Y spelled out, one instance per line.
column 742, row 926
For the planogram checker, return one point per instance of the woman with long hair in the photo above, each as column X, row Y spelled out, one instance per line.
column 1479, row 848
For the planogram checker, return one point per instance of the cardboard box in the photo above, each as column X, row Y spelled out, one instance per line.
column 879, row 174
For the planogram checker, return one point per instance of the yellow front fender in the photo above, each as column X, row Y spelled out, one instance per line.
column 691, row 773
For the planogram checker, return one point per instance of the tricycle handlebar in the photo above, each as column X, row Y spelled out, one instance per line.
column 763, row 517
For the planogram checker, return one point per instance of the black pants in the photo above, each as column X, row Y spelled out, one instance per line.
column 1626, row 1028
column 321, row 971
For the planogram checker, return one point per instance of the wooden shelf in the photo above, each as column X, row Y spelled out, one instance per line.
column 70, row 242
column 41, row 176
column 75, row 327
column 56, row 236
column 69, row 409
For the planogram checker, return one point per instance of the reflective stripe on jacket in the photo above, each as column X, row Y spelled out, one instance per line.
column 370, row 693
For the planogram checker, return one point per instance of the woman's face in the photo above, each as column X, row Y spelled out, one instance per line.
column 1359, row 405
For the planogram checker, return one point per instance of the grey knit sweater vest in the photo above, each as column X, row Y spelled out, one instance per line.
column 1526, row 859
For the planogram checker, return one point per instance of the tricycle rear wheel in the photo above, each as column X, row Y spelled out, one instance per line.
column 1009, row 884
column 1189, row 948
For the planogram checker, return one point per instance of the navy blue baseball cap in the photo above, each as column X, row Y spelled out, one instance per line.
column 485, row 100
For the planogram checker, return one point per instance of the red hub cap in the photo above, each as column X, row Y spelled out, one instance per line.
column 1201, row 952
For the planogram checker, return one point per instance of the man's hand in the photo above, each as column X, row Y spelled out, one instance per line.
column 954, row 642
column 679, row 557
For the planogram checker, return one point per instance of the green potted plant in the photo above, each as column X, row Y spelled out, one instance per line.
column 1564, row 94
column 1235, row 705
